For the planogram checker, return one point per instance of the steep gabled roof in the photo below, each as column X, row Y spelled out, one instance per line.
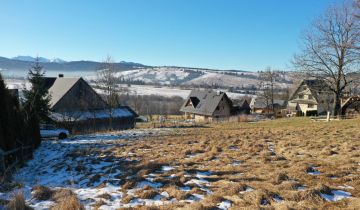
column 315, row 86
column 130, row 110
column 60, row 87
column 49, row 81
column 204, row 102
column 240, row 102
column 260, row 103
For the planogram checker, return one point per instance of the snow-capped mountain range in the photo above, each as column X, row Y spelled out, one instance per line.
column 41, row 59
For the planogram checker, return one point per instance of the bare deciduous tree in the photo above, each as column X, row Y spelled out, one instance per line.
column 137, row 102
column 331, row 50
column 267, row 84
column 107, row 80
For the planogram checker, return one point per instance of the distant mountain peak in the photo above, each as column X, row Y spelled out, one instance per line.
column 41, row 59
column 57, row 60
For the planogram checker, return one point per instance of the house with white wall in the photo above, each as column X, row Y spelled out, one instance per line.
column 311, row 97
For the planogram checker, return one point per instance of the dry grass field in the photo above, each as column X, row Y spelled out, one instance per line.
column 281, row 164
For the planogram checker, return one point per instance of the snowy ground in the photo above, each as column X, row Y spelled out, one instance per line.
column 169, row 91
column 85, row 164
column 77, row 163
column 133, row 90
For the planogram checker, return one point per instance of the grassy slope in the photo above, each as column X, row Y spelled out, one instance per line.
column 298, row 144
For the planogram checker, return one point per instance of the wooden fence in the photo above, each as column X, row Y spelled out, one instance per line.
column 339, row 117
column 12, row 158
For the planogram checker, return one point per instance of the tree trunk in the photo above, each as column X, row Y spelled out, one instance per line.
column 337, row 106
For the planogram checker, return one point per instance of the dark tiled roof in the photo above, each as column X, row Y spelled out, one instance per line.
column 260, row 103
column 316, row 86
column 204, row 102
column 49, row 81
column 240, row 102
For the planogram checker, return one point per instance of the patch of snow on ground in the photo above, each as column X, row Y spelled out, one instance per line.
column 226, row 204
column 198, row 182
column 248, row 189
column 150, row 184
column 42, row 205
column 195, row 197
column 203, row 174
column 185, row 189
column 278, row 199
column 336, row 195
column 313, row 171
column 167, row 168
column 192, row 155
column 301, row 188
column 346, row 187
column 236, row 163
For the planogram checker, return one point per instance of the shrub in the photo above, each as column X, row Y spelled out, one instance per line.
column 61, row 194
column 17, row 203
column 70, row 203
column 147, row 193
column 41, row 193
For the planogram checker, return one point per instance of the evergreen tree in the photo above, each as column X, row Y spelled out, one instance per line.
column 36, row 103
column 3, row 115
column 12, row 126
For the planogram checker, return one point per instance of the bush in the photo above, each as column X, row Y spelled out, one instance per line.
column 42, row 193
column 17, row 203
column 70, row 203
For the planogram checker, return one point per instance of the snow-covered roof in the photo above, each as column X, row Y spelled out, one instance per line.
column 122, row 112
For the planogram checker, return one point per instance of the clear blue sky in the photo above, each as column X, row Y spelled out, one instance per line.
column 222, row 34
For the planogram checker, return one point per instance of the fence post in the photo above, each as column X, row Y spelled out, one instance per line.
column 2, row 161
column 328, row 117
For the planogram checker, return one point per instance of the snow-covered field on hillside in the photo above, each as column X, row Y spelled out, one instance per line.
column 159, row 75
column 168, row 91
column 133, row 89
column 196, row 77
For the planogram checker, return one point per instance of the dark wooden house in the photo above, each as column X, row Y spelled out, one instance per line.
column 240, row 107
column 75, row 105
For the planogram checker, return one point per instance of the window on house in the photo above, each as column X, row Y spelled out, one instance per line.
column 301, row 96
column 310, row 97
column 310, row 105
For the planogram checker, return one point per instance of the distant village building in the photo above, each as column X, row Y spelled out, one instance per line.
column 240, row 106
column 260, row 105
column 207, row 105
column 76, row 106
column 312, row 97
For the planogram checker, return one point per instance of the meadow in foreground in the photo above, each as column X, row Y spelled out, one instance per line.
column 282, row 164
